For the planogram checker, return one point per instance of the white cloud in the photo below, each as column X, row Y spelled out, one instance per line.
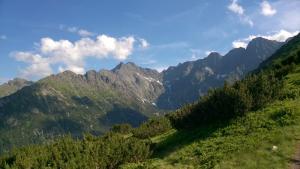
column 239, row 44
column 144, row 44
column 73, row 68
column 84, row 33
column 266, row 9
column 3, row 37
column 236, row 8
column 240, row 11
column 287, row 16
column 72, row 55
column 279, row 36
column 76, row 30
column 38, row 66
column 102, row 46
column 36, row 70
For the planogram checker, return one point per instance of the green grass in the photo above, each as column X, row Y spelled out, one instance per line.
column 245, row 142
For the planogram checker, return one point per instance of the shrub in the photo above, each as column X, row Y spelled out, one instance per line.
column 107, row 152
column 263, row 88
column 284, row 117
column 179, row 118
column 223, row 104
column 152, row 127
column 122, row 128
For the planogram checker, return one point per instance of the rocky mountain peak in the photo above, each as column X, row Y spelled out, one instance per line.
column 260, row 42
column 214, row 55
column 212, row 60
column 125, row 66
column 261, row 48
column 67, row 73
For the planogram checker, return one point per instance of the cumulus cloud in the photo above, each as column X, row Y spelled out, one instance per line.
column 279, row 36
column 266, row 9
column 72, row 55
column 38, row 65
column 240, row 11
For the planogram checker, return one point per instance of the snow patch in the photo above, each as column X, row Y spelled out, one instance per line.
column 150, row 79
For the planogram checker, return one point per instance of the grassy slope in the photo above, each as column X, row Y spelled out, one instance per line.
column 73, row 117
column 243, row 143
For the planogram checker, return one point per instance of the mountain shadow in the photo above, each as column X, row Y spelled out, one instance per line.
column 122, row 115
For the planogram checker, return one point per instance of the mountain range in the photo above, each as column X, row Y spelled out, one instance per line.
column 187, row 81
column 251, row 123
column 93, row 102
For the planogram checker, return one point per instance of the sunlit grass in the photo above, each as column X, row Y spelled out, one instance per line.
column 245, row 142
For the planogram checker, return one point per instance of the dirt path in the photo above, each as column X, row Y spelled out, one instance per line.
column 295, row 161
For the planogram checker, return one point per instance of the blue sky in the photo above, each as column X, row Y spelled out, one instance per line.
column 40, row 37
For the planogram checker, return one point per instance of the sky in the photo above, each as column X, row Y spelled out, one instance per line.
column 43, row 37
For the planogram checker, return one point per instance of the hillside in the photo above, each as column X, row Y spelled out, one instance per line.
column 94, row 102
column 264, row 138
column 252, row 123
column 72, row 103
